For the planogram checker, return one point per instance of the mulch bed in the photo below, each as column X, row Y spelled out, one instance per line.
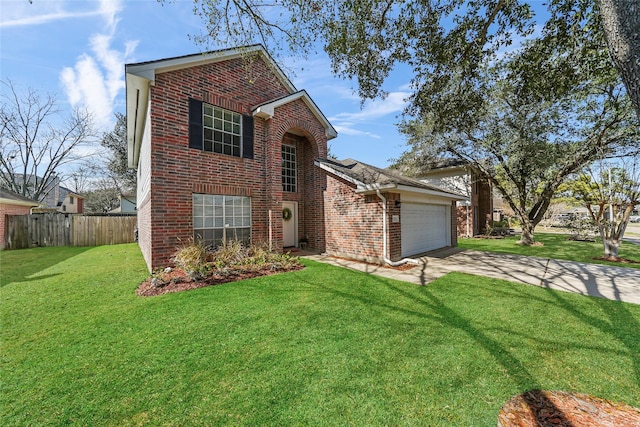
column 540, row 408
column 177, row 280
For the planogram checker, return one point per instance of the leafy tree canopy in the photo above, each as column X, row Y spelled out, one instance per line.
column 118, row 169
column 440, row 39
column 527, row 133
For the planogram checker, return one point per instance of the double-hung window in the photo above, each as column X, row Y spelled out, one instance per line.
column 215, row 129
column 221, row 130
column 219, row 218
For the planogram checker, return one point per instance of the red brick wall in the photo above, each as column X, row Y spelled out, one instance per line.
column 483, row 200
column 354, row 223
column 6, row 209
column 178, row 171
column 464, row 220
column 394, row 242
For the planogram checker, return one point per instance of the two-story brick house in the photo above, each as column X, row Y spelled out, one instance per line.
column 208, row 134
column 226, row 147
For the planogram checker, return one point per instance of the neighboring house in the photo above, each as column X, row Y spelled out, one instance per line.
column 13, row 204
column 127, row 204
column 475, row 213
column 226, row 147
column 72, row 202
column 371, row 212
column 56, row 197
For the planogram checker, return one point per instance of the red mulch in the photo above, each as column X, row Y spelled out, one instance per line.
column 177, row 280
column 539, row 408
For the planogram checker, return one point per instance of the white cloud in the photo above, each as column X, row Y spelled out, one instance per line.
column 394, row 102
column 347, row 129
column 98, row 77
column 351, row 123
column 21, row 13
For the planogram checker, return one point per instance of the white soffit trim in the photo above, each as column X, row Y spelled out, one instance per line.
column 267, row 110
column 137, row 89
column 451, row 196
column 19, row 202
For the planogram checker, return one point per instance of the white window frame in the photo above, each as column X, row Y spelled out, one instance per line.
column 222, row 130
column 217, row 218
column 289, row 168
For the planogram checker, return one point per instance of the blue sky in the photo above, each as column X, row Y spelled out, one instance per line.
column 76, row 50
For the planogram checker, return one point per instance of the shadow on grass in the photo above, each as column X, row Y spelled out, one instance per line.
column 437, row 311
column 20, row 265
column 622, row 326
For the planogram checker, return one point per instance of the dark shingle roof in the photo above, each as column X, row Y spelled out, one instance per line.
column 10, row 195
column 369, row 177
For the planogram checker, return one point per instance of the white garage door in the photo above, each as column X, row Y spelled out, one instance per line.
column 424, row 227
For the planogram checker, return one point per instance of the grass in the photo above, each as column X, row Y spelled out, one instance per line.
column 319, row 346
column 555, row 246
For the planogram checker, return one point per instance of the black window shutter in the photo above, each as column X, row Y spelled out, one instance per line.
column 247, row 137
column 195, row 124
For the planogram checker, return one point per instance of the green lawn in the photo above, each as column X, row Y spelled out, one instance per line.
column 555, row 246
column 319, row 346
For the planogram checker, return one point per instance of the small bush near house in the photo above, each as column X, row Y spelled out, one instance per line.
column 192, row 258
column 197, row 267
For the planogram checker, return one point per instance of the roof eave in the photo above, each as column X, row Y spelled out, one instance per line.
column 339, row 174
column 374, row 188
column 266, row 111
column 149, row 69
column 451, row 196
column 19, row 202
column 137, row 89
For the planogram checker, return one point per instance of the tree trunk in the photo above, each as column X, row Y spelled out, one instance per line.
column 611, row 247
column 621, row 24
column 526, row 238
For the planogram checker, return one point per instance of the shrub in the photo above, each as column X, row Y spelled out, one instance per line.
column 581, row 228
column 192, row 258
column 231, row 252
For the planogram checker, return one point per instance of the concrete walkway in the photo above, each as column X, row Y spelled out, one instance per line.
column 615, row 283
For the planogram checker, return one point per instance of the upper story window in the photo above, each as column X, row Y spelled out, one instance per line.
column 289, row 169
column 218, row 130
column 222, row 130
column 70, row 200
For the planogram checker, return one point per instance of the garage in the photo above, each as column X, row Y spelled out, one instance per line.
column 424, row 227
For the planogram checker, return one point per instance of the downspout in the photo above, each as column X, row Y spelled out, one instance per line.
column 384, row 237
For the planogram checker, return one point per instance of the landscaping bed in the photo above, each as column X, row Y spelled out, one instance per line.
column 196, row 266
column 178, row 280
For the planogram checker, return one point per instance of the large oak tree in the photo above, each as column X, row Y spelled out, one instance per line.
column 365, row 39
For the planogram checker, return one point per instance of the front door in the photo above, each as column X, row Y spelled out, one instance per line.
column 289, row 224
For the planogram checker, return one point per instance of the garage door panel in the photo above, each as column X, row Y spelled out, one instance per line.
column 425, row 227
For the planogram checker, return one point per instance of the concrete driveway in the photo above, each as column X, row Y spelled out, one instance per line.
column 615, row 283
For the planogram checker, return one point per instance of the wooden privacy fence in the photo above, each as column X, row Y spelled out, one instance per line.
column 52, row 229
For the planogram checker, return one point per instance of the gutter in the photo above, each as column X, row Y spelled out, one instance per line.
column 384, row 237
